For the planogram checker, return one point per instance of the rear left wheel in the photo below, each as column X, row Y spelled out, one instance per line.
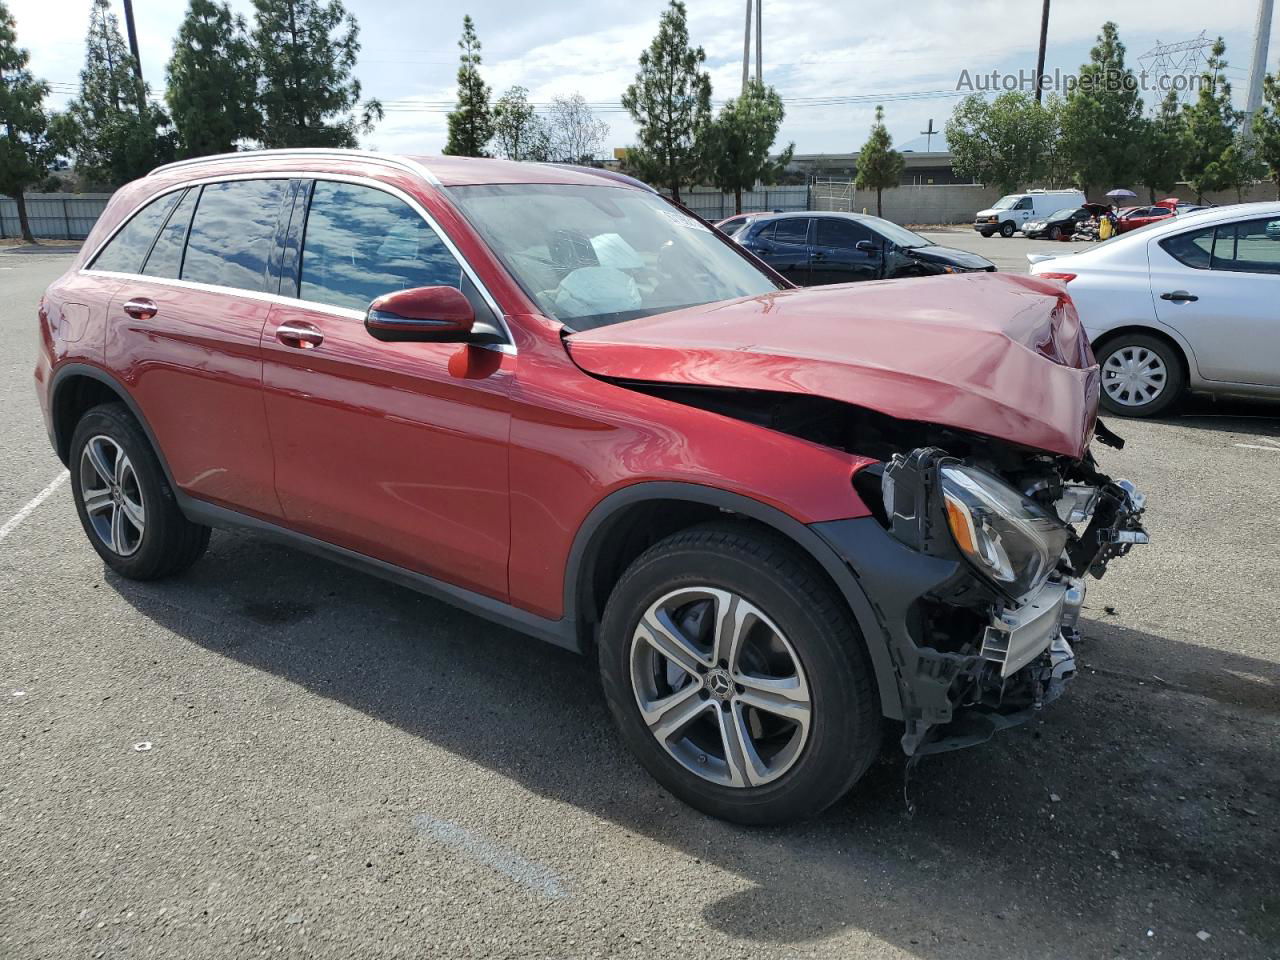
column 125, row 503
column 736, row 676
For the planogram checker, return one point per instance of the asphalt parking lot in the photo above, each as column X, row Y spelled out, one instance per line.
column 275, row 756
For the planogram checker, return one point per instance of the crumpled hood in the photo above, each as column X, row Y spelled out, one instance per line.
column 992, row 353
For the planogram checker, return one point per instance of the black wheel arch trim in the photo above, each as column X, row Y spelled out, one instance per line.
column 70, row 370
column 589, row 538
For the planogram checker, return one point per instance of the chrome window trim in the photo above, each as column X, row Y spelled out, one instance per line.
column 396, row 192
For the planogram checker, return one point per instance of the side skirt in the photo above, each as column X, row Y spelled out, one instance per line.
column 559, row 632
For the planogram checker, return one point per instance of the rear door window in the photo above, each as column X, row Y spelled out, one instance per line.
column 165, row 259
column 128, row 248
column 234, row 233
column 361, row 243
column 793, row 230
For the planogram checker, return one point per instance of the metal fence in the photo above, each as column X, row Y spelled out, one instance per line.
column 54, row 216
column 713, row 205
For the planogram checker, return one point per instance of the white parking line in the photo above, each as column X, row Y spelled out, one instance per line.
column 533, row 876
column 1257, row 446
column 12, row 523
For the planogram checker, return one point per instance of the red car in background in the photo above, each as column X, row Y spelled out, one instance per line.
column 780, row 519
column 1131, row 218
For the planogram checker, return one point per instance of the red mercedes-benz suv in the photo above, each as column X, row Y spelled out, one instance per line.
column 781, row 518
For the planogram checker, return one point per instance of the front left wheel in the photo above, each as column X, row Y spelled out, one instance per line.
column 125, row 503
column 737, row 677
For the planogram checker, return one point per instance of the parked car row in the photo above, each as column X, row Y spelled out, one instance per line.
column 813, row 249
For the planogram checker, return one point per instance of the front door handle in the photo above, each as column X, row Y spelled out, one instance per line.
column 140, row 308
column 1179, row 296
column 817, row 255
column 299, row 333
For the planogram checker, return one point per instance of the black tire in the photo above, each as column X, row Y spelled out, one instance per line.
column 1007, row 229
column 1175, row 379
column 986, row 233
column 169, row 543
column 1055, row 233
column 844, row 731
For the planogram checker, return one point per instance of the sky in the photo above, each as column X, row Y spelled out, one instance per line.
column 858, row 52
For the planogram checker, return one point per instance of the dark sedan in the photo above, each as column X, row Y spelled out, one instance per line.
column 811, row 248
column 1062, row 224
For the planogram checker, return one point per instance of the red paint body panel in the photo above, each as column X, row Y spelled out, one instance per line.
column 195, row 369
column 966, row 351
column 576, row 439
column 394, row 450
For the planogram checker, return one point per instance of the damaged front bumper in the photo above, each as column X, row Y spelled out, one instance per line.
column 968, row 659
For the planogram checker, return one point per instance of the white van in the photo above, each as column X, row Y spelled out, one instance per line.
column 1008, row 214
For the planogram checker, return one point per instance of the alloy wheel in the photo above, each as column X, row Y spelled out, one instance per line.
column 111, row 495
column 1134, row 376
column 720, row 687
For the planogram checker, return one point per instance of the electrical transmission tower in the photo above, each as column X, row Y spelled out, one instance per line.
column 1165, row 61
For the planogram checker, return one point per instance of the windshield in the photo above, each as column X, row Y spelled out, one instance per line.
column 1004, row 203
column 901, row 236
column 591, row 256
column 1062, row 214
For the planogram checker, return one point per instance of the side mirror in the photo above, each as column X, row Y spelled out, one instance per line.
column 866, row 246
column 422, row 314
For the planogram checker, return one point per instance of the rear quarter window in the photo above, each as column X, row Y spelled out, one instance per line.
column 128, row 248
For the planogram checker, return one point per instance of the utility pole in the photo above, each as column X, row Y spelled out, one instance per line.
column 137, row 60
column 1258, row 68
column 928, row 135
column 746, row 45
column 1044, row 37
column 760, row 40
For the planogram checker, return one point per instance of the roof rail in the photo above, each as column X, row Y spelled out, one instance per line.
column 314, row 153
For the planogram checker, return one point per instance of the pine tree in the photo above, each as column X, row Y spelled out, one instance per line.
column 1102, row 118
column 306, row 51
column 518, row 131
column 737, row 142
column 670, row 102
column 1266, row 128
column 213, row 81
column 1212, row 123
column 1163, row 148
column 25, row 150
column 879, row 165
column 115, row 132
column 471, row 123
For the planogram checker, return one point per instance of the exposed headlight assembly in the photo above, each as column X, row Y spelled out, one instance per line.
column 1011, row 540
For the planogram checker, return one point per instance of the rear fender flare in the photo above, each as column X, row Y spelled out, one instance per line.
column 67, row 372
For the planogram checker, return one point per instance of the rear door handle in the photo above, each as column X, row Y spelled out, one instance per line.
column 299, row 333
column 1179, row 296
column 140, row 308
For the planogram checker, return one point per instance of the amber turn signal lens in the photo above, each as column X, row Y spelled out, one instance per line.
column 961, row 526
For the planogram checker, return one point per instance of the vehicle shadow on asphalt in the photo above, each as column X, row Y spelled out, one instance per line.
column 1132, row 805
